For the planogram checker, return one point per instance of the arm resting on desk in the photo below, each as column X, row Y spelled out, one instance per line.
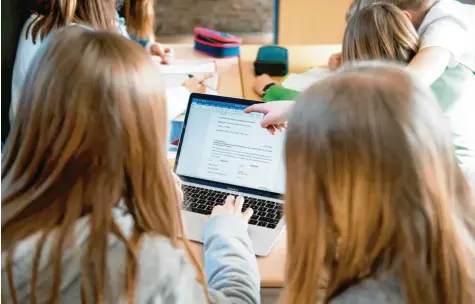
column 230, row 264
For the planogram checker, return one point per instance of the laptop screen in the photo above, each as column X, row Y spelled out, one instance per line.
column 223, row 144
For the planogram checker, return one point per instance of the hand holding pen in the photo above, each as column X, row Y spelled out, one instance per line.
column 195, row 84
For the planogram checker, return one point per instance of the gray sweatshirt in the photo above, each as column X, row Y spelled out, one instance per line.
column 165, row 274
column 382, row 290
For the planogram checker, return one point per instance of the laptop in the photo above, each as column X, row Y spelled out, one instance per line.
column 223, row 151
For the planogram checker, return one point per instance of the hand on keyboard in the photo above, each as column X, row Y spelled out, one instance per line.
column 233, row 205
column 266, row 213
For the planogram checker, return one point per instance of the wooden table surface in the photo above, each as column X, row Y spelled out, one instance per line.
column 301, row 58
column 236, row 80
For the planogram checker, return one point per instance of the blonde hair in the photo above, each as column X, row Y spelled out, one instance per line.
column 414, row 5
column 410, row 4
column 140, row 16
column 380, row 31
column 98, row 14
column 370, row 163
column 91, row 130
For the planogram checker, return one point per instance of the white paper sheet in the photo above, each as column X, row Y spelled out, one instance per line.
column 177, row 72
column 316, row 73
column 300, row 82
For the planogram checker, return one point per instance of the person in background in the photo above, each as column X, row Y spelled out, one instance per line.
column 134, row 19
column 96, row 14
column 90, row 207
column 384, row 32
column 447, row 31
column 377, row 208
column 381, row 31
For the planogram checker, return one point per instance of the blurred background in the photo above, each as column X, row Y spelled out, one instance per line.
column 252, row 19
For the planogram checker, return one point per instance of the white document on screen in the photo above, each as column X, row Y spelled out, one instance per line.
column 234, row 149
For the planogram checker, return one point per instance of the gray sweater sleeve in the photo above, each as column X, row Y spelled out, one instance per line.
column 231, row 271
column 230, row 264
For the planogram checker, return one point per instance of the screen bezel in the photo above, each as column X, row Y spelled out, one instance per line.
column 205, row 182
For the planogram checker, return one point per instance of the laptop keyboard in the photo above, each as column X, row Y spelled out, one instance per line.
column 198, row 200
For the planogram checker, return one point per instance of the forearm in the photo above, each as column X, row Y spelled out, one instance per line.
column 429, row 64
column 230, row 263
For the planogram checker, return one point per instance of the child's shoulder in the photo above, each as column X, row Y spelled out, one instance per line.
column 445, row 11
column 32, row 20
column 451, row 25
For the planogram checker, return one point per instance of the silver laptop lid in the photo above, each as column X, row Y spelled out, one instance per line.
column 223, row 147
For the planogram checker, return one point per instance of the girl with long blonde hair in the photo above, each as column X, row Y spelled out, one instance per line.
column 377, row 208
column 90, row 207
column 389, row 216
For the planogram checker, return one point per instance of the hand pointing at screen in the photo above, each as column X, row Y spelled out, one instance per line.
column 275, row 113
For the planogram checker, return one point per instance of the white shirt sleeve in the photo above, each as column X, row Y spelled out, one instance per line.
column 177, row 101
column 450, row 34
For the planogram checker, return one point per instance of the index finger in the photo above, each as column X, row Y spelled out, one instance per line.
column 238, row 205
column 259, row 108
column 229, row 201
column 271, row 129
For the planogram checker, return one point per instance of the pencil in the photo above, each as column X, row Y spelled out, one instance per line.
column 202, row 82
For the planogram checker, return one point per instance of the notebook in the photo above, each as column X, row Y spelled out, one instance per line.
column 316, row 73
column 179, row 70
column 300, row 82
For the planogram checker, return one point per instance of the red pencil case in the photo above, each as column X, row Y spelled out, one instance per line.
column 216, row 44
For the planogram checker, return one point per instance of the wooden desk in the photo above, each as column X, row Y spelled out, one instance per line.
column 271, row 267
column 301, row 58
column 228, row 69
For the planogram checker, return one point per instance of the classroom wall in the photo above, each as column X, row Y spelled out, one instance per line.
column 237, row 16
column 312, row 21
